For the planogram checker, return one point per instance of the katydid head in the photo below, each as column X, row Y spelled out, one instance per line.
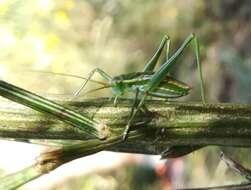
column 118, row 86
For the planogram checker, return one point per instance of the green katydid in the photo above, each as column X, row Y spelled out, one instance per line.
column 150, row 82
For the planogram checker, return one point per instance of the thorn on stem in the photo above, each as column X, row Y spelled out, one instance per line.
column 126, row 131
column 103, row 131
column 232, row 164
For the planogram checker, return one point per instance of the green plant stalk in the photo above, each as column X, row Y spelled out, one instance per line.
column 172, row 124
column 53, row 158
column 15, row 180
column 44, row 105
column 178, row 125
column 169, row 124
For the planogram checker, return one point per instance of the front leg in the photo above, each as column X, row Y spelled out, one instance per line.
column 102, row 73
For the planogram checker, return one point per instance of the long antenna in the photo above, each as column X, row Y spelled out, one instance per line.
column 96, row 89
column 69, row 75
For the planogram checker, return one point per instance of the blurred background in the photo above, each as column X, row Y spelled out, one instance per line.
column 119, row 36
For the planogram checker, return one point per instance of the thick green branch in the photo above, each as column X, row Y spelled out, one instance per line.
column 44, row 105
column 168, row 124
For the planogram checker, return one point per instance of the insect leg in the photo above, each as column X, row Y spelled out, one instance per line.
column 135, row 102
column 102, row 73
column 126, row 131
column 197, row 54
column 167, row 49
column 165, row 42
column 115, row 101
column 153, row 61
column 160, row 74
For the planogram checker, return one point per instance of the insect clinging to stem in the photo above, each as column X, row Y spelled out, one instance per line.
column 149, row 82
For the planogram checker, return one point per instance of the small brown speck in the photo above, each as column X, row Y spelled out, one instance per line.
column 103, row 131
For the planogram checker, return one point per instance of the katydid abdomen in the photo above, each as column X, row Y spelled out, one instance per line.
column 168, row 88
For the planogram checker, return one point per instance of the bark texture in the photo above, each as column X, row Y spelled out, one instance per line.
column 167, row 124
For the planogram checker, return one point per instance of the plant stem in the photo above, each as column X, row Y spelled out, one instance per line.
column 44, row 105
column 182, row 126
column 168, row 124
column 15, row 180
